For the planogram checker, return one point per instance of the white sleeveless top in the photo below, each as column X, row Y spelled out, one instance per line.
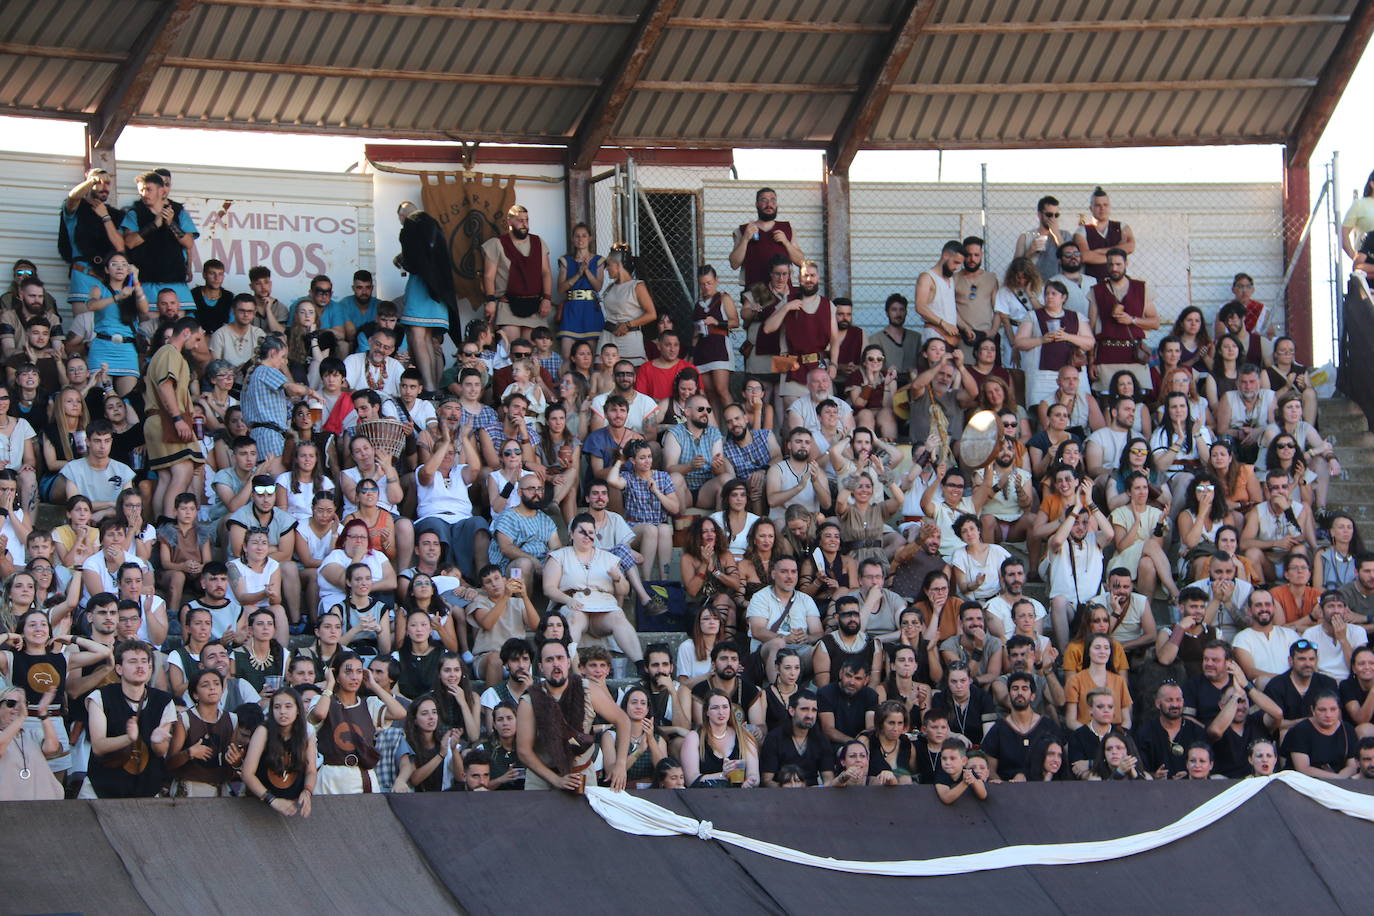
column 944, row 305
column 1273, row 527
column 807, row 497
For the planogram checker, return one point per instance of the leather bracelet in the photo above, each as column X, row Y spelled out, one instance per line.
column 268, row 798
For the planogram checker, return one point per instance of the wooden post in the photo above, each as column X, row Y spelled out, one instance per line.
column 615, row 89
column 99, row 157
column 578, row 200
column 835, row 208
column 1297, row 206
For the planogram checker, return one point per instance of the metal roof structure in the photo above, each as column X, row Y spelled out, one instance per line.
column 587, row 74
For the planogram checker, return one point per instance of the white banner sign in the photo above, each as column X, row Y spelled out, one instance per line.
column 295, row 241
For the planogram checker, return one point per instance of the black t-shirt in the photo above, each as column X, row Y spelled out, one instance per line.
column 1013, row 749
column 944, row 779
column 1156, row 750
column 742, row 695
column 973, row 721
column 122, row 449
column 1231, row 752
column 927, row 762
column 1351, row 691
column 1083, row 744
column 779, row 750
column 1202, row 699
column 850, row 712
column 36, row 414
column 1328, row 752
column 1295, row 704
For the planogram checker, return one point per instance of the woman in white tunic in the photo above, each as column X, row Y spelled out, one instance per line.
column 589, row 583
column 627, row 306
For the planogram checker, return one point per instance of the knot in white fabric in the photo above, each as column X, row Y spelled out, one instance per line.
column 704, row 829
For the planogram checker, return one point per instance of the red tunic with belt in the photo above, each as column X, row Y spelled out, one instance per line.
column 526, row 276
column 852, row 346
column 760, row 252
column 1116, row 343
column 1096, row 242
column 808, row 337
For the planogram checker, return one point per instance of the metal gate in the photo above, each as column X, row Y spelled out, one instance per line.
column 662, row 228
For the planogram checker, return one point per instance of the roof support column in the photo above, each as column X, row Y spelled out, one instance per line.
column 1297, row 206
column 835, row 215
column 100, row 157
column 577, row 188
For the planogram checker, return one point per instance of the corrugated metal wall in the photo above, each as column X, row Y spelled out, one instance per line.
column 32, row 189
column 1191, row 238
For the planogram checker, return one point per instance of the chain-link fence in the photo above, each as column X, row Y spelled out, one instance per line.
column 1191, row 239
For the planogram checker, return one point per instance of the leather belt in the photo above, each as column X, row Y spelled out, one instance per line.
column 114, row 338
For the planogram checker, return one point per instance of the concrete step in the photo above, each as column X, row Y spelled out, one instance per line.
column 1352, row 491
column 1341, row 423
column 1362, row 513
column 1353, row 442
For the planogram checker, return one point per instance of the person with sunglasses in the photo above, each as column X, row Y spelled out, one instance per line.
column 24, row 773
column 642, row 411
column 693, row 456
column 870, row 390
column 1295, row 690
column 1276, row 526
column 590, row 585
column 261, row 513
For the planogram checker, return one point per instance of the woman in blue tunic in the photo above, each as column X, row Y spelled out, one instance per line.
column 119, row 304
column 430, row 302
column 581, row 275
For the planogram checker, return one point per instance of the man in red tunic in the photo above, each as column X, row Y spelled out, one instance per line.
column 516, row 277
column 851, row 337
column 759, row 241
column 1096, row 236
column 1122, row 311
column 810, row 330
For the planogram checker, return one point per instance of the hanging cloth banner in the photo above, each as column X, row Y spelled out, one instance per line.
column 471, row 208
column 631, row 814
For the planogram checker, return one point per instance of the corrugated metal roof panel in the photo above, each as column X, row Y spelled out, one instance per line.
column 55, row 58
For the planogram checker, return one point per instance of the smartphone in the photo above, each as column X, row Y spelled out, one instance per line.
column 272, row 682
column 517, row 573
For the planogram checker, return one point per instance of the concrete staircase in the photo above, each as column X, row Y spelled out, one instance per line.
column 1343, row 423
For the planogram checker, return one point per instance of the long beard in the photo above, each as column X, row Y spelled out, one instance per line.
column 946, row 271
column 520, row 234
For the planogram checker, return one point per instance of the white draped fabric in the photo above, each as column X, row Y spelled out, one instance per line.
column 631, row 814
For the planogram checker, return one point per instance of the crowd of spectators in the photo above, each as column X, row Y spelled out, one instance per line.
column 308, row 550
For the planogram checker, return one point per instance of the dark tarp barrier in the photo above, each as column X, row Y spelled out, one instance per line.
column 55, row 859
column 237, row 856
column 1336, row 847
column 1229, row 867
column 531, row 852
column 1278, row 852
column 537, row 852
column 869, row 824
